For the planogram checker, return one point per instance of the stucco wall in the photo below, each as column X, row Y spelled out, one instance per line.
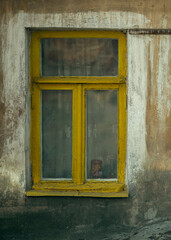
column 148, row 161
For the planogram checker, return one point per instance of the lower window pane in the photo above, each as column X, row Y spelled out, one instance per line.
column 101, row 134
column 56, row 134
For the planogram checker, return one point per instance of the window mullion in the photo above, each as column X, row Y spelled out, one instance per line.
column 77, row 135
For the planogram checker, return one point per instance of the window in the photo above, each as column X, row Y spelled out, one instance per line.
column 78, row 113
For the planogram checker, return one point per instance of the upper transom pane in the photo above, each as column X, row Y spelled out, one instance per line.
column 79, row 57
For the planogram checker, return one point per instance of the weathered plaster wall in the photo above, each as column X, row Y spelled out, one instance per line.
column 149, row 104
column 158, row 13
column 149, row 133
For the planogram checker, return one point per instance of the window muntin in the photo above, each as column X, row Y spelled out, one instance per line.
column 79, row 185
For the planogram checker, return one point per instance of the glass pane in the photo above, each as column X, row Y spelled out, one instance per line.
column 101, row 134
column 79, row 57
column 57, row 134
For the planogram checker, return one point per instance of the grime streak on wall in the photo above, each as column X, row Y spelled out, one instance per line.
column 158, row 135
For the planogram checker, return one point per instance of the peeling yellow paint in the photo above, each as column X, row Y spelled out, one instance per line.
column 78, row 85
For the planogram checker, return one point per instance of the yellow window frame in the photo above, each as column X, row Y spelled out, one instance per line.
column 78, row 186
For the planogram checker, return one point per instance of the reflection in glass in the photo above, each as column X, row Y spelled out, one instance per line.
column 79, row 57
column 101, row 134
column 57, row 134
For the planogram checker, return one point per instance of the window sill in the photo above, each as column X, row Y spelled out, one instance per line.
column 38, row 193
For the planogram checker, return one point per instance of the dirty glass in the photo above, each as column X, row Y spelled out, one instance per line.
column 56, row 134
column 79, row 57
column 101, row 134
